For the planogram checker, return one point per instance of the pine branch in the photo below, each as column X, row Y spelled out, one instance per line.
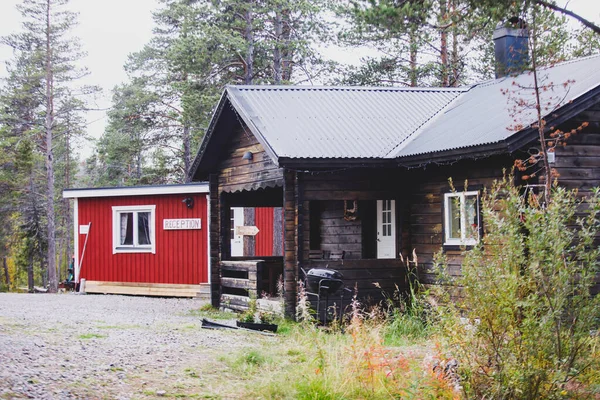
column 571, row 14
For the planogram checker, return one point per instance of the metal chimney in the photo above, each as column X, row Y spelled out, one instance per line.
column 511, row 47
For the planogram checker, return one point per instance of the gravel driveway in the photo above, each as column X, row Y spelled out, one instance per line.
column 115, row 347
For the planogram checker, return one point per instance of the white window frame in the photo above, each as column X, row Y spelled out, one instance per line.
column 463, row 241
column 116, row 229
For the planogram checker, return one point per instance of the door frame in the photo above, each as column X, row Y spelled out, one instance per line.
column 390, row 234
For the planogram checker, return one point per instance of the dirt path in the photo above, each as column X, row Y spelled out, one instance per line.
column 115, row 347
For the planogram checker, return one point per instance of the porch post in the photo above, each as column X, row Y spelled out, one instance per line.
column 290, row 244
column 215, row 242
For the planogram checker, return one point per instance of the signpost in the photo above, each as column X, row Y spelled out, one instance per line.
column 246, row 230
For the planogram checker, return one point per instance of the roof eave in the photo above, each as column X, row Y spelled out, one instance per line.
column 453, row 155
column 205, row 140
column 334, row 163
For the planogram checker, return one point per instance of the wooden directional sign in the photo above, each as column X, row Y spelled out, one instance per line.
column 246, row 230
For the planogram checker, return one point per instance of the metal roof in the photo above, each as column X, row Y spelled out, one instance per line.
column 491, row 112
column 337, row 122
column 387, row 124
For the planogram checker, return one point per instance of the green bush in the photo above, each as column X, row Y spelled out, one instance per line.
column 524, row 325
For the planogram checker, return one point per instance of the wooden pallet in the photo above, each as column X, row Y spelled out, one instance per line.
column 149, row 289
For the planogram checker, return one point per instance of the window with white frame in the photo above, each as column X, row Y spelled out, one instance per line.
column 461, row 218
column 134, row 229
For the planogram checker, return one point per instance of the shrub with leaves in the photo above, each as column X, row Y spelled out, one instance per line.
column 524, row 326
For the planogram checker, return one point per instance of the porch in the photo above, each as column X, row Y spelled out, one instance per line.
column 359, row 238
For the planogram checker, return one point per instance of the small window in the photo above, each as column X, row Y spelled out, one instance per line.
column 133, row 229
column 461, row 218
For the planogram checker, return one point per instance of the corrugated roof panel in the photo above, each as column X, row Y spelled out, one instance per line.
column 323, row 122
column 485, row 114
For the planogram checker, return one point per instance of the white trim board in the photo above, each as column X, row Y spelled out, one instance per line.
column 136, row 191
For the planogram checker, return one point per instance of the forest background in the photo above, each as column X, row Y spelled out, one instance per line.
column 160, row 111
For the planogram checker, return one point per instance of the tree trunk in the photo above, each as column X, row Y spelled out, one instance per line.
column 287, row 52
column 30, row 279
column 186, row 151
column 67, row 203
column 538, row 106
column 455, row 59
column 443, row 45
column 249, row 36
column 43, row 269
column 413, row 58
column 52, row 280
column 6, row 274
column 277, row 57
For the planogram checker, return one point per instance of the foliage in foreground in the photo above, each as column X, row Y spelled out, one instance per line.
column 528, row 319
column 312, row 363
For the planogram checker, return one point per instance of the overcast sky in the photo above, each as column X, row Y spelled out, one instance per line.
column 111, row 29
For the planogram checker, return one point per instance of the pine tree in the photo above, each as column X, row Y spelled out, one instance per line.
column 176, row 79
column 50, row 53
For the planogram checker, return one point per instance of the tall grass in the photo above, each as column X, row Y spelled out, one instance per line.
column 350, row 363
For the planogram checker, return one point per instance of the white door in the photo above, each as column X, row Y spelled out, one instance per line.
column 386, row 229
column 237, row 241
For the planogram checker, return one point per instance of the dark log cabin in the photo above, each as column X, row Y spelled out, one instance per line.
column 361, row 174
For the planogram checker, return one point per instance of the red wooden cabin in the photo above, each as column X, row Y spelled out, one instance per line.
column 142, row 240
column 153, row 240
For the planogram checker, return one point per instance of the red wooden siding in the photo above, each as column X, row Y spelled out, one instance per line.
column 264, row 218
column 181, row 255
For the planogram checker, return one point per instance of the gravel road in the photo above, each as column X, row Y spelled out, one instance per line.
column 115, row 347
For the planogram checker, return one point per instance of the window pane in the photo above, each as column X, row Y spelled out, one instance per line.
column 454, row 218
column 126, row 233
column 471, row 217
column 143, row 228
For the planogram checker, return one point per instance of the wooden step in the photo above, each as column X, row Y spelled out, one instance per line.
column 149, row 289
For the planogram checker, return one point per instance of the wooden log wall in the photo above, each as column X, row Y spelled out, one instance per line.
column 578, row 163
column 337, row 234
column 355, row 184
column 237, row 174
column 374, row 280
column 424, row 231
column 323, row 205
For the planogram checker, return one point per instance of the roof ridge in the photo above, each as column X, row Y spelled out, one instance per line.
column 497, row 81
column 351, row 88
column 394, row 152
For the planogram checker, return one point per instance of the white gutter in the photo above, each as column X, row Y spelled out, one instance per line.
column 136, row 191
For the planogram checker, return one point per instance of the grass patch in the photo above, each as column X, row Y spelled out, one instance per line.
column 248, row 362
column 311, row 363
column 191, row 373
column 405, row 329
column 87, row 336
column 208, row 311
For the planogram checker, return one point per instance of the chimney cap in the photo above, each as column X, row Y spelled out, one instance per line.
column 514, row 23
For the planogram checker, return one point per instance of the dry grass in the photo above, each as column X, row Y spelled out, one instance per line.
column 311, row 363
